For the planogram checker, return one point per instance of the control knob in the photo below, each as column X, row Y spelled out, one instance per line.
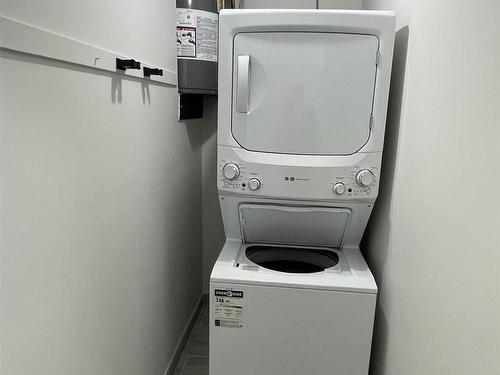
column 231, row 171
column 364, row 178
column 254, row 184
column 339, row 188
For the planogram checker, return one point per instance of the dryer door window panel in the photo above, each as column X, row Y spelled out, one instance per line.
column 303, row 93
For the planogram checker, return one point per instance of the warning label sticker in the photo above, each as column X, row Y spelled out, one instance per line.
column 228, row 308
column 197, row 34
column 186, row 41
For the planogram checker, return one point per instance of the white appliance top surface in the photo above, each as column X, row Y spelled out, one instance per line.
column 353, row 275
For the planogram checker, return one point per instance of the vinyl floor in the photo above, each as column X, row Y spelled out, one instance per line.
column 194, row 358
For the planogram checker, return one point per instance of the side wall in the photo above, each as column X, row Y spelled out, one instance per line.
column 100, row 199
column 433, row 241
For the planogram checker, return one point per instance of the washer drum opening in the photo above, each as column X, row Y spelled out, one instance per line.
column 291, row 259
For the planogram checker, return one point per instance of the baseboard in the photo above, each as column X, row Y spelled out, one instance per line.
column 172, row 365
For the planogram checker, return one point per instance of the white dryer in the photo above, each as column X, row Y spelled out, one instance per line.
column 302, row 105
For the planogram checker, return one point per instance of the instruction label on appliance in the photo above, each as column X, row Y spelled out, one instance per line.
column 228, row 308
column 186, row 41
column 197, row 34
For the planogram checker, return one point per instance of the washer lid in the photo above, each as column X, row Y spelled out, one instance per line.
column 294, row 225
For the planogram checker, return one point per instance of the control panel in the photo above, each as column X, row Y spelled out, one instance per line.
column 235, row 177
column 359, row 181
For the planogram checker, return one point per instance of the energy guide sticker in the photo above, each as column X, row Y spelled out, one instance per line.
column 228, row 308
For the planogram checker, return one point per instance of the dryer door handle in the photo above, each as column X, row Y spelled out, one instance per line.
column 243, row 84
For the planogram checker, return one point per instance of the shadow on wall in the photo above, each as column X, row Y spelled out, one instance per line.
column 195, row 129
column 116, row 89
column 213, row 229
column 376, row 240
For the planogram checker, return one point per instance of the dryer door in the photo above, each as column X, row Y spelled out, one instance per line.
column 303, row 92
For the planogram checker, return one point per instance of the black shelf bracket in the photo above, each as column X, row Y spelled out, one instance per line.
column 148, row 72
column 127, row 64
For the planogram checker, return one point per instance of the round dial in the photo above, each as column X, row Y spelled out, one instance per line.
column 364, row 178
column 231, row 171
column 254, row 184
column 339, row 188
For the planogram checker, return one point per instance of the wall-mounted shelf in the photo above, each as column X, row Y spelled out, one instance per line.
column 25, row 38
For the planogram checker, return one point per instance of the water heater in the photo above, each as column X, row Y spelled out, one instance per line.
column 197, row 39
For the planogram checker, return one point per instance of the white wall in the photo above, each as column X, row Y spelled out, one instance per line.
column 128, row 27
column 339, row 4
column 433, row 242
column 279, row 4
column 100, row 200
column 302, row 4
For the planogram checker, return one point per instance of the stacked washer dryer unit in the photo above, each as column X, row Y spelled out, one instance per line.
column 302, row 107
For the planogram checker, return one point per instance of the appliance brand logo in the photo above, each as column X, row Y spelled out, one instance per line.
column 228, row 293
column 291, row 178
